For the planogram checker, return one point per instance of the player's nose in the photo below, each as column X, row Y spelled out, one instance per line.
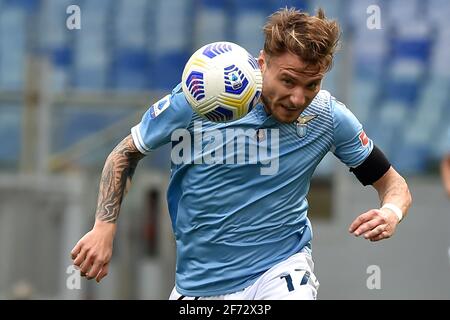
column 298, row 98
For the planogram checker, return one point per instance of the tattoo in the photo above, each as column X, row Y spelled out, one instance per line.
column 116, row 177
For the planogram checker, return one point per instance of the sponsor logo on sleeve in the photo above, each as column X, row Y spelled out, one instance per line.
column 364, row 139
column 159, row 107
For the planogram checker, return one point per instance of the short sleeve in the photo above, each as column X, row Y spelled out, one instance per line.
column 351, row 144
column 160, row 120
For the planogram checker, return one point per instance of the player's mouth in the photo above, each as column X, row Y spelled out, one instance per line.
column 290, row 108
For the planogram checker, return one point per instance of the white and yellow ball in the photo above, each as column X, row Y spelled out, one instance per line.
column 222, row 81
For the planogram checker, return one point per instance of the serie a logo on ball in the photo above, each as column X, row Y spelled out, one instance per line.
column 222, row 82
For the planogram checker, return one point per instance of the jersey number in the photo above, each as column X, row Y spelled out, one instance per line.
column 289, row 282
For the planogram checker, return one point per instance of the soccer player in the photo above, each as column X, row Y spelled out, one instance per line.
column 241, row 234
column 445, row 166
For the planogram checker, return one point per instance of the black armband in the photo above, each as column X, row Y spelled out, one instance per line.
column 373, row 168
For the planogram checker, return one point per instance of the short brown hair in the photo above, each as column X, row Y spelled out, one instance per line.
column 313, row 39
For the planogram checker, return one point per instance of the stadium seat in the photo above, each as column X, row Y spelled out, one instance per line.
column 92, row 50
column 29, row 6
column 437, row 13
column 173, row 42
column 131, row 69
column 400, row 12
column 130, row 25
column 10, row 133
column 362, row 99
column 273, row 5
column 247, row 21
column 12, row 48
column 166, row 72
column 402, row 91
column 73, row 123
column 211, row 23
column 410, row 158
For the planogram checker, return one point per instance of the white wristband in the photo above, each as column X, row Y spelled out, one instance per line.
column 398, row 212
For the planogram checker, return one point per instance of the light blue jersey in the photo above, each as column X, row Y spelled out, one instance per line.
column 233, row 221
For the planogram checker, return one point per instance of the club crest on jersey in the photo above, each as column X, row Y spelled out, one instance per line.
column 302, row 124
column 159, row 106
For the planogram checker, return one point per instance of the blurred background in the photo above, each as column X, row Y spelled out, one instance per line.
column 69, row 95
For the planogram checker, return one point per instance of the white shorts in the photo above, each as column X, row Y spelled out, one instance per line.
column 291, row 279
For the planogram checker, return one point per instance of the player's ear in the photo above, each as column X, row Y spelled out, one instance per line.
column 262, row 60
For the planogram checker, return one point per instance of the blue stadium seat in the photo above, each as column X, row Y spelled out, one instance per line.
column 381, row 137
column 62, row 60
column 249, row 5
column 440, row 54
column 62, row 56
column 211, row 23
column 12, row 47
column 29, row 6
column 130, row 24
column 173, row 42
column 97, row 6
column 411, row 40
column 441, row 139
column 166, row 71
column 10, row 133
column 437, row 13
column 387, row 123
column 410, row 158
column 247, row 21
column 370, row 52
column 212, row 4
column 400, row 12
column 362, row 98
column 273, row 5
column 90, row 79
column 412, row 48
column 73, row 123
column 369, row 68
column 92, row 48
column 131, row 69
column 430, row 113
column 405, row 91
column 91, row 64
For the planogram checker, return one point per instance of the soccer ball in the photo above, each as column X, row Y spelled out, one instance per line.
column 222, row 81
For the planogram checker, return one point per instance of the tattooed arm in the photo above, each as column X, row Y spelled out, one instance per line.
column 116, row 179
column 93, row 252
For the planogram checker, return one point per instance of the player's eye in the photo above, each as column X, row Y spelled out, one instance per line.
column 287, row 81
column 312, row 86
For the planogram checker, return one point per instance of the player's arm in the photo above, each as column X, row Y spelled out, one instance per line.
column 445, row 173
column 371, row 167
column 93, row 252
column 393, row 191
column 116, row 179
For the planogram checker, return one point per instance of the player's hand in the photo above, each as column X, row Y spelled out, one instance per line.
column 375, row 224
column 93, row 252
